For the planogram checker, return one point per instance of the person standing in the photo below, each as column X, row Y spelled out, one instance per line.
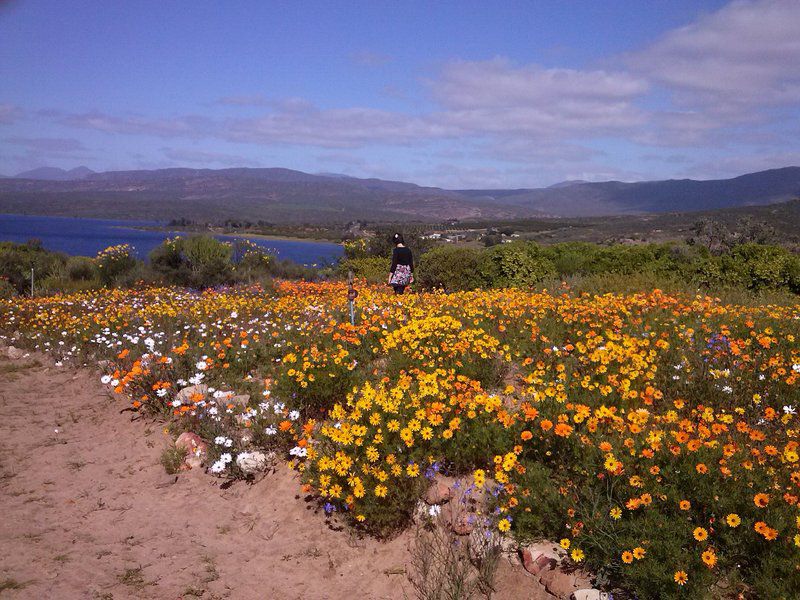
column 401, row 273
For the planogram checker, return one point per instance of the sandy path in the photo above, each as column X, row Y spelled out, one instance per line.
column 88, row 512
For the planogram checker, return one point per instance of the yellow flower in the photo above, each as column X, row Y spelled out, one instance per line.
column 412, row 470
column 681, row 577
column 627, row 557
column 381, row 491
column 639, row 552
column 700, row 534
column 615, row 513
column 504, row 525
column 480, row 478
column 577, row 555
column 565, row 543
column 733, row 520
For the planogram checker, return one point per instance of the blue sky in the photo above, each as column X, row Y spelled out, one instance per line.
column 451, row 94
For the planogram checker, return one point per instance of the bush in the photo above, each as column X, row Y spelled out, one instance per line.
column 6, row 289
column 199, row 261
column 17, row 260
column 114, row 263
column 81, row 268
column 515, row 265
column 375, row 269
column 451, row 268
column 252, row 263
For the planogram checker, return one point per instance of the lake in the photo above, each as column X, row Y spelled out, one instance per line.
column 86, row 237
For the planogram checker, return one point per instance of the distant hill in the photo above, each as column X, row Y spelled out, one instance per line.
column 567, row 183
column 286, row 196
column 55, row 174
column 673, row 195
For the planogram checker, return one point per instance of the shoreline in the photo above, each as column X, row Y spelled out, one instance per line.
column 260, row 236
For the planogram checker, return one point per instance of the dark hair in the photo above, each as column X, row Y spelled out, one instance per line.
column 397, row 238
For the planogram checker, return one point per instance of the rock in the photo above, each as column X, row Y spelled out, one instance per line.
column 540, row 557
column 240, row 400
column 186, row 394
column 166, row 481
column 195, row 447
column 563, row 584
column 254, row 462
column 590, row 594
column 511, row 551
column 15, row 353
column 438, row 493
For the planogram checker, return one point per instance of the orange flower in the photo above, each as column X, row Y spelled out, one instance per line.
column 700, row 534
column 563, row 430
column 526, row 435
column 761, row 500
column 709, row 557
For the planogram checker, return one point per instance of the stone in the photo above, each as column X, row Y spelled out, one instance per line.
column 166, row 481
column 562, row 584
column 240, row 400
column 254, row 462
column 511, row 551
column 195, row 447
column 590, row 594
column 540, row 557
column 15, row 353
column 185, row 395
column 438, row 493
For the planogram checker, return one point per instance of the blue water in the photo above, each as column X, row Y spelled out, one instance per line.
column 86, row 237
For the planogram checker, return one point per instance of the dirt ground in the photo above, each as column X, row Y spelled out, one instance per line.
column 89, row 512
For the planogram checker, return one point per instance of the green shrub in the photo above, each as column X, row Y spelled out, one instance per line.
column 17, row 260
column 515, row 265
column 199, row 261
column 375, row 269
column 6, row 289
column 252, row 263
column 114, row 263
column 172, row 459
column 451, row 268
column 81, row 268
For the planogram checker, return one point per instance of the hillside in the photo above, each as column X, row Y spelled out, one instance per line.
column 582, row 199
column 287, row 196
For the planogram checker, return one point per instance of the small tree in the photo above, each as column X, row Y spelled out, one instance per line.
column 198, row 261
column 114, row 263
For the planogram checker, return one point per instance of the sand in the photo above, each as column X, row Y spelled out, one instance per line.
column 89, row 512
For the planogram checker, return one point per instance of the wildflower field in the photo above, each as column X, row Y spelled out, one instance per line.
column 654, row 435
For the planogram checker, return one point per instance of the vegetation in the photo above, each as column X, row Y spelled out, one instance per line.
column 655, row 434
column 525, row 264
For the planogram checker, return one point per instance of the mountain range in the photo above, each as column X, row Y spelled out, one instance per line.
column 286, row 196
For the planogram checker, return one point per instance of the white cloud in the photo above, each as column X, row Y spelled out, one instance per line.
column 727, row 81
column 498, row 83
column 746, row 54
